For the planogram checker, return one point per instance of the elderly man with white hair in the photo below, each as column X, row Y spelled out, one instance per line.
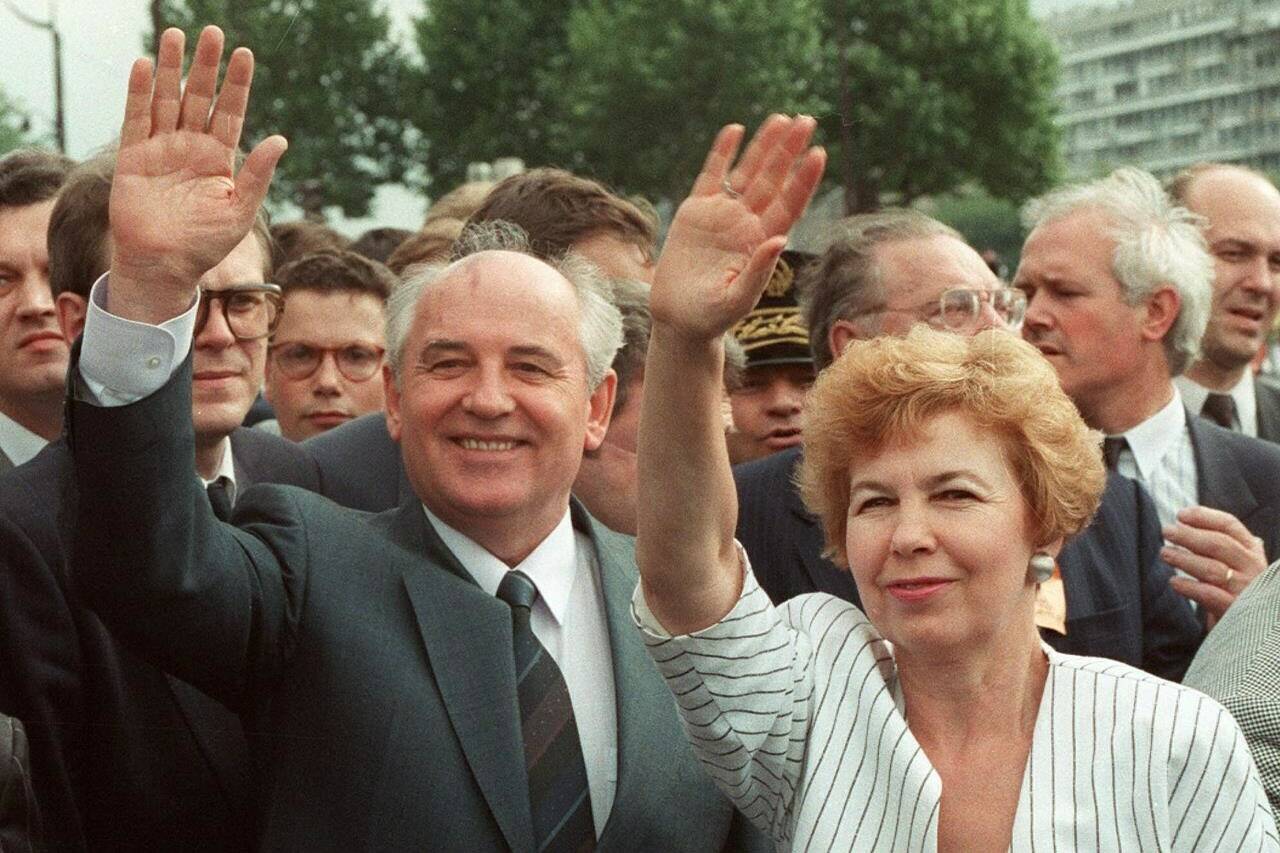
column 1119, row 283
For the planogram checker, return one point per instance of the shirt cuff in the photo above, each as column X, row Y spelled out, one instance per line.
column 122, row 361
column 649, row 624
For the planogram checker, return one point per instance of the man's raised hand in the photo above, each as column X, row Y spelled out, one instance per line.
column 178, row 206
column 727, row 235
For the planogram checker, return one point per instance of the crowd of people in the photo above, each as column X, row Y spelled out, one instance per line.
column 518, row 531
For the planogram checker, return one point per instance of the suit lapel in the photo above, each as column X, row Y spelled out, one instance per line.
column 643, row 700
column 824, row 575
column 1267, row 399
column 1218, row 480
column 5, row 462
column 467, row 635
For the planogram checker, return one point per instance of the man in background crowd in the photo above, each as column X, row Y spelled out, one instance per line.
column 1240, row 209
column 768, row 398
column 1119, row 285
column 326, row 356
column 33, row 352
column 123, row 756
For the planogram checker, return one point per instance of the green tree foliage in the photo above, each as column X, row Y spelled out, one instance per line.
column 491, row 85
column 329, row 78
column 651, row 83
column 15, row 125
column 986, row 222
column 925, row 95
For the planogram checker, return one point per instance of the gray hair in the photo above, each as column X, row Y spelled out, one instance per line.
column 1157, row 243
column 599, row 321
column 845, row 279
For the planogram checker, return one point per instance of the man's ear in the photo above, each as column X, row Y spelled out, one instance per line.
column 71, row 309
column 392, row 392
column 600, row 410
column 1161, row 312
column 842, row 334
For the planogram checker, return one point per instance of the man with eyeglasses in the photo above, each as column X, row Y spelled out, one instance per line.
column 324, row 367
column 124, row 756
column 884, row 273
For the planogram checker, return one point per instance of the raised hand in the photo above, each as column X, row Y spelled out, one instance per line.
column 178, row 207
column 727, row 235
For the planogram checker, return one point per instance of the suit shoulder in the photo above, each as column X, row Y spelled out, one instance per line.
column 269, row 458
column 767, row 472
column 356, row 438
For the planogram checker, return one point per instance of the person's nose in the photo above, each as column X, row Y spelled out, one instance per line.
column 489, row 396
column 785, row 399
column 327, row 380
column 35, row 298
column 1261, row 278
column 216, row 333
column 1038, row 315
column 912, row 532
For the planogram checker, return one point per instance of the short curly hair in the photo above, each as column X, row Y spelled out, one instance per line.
column 886, row 390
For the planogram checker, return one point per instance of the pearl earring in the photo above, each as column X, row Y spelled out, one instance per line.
column 1041, row 567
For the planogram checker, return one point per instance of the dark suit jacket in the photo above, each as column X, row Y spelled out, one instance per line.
column 376, row 679
column 1240, row 475
column 1119, row 602
column 360, row 465
column 1266, row 393
column 124, row 756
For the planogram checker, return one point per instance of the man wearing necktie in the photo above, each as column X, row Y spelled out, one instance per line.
column 1118, row 282
column 1240, row 213
column 402, row 684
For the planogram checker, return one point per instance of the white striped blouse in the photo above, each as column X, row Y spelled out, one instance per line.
column 794, row 711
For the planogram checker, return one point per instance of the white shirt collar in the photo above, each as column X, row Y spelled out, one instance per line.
column 1242, row 394
column 552, row 565
column 1153, row 439
column 18, row 443
column 226, row 468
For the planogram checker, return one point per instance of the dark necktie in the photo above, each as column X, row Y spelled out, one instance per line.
column 220, row 498
column 1220, row 409
column 1112, row 446
column 558, row 794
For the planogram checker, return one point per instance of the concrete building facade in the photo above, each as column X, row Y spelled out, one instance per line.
column 1163, row 84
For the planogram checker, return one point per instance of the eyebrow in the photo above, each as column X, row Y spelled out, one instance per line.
column 534, row 351
column 931, row 482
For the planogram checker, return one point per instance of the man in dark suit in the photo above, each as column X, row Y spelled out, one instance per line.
column 1119, row 285
column 19, row 818
column 884, row 273
column 124, row 756
column 1240, row 211
column 33, row 353
column 374, row 666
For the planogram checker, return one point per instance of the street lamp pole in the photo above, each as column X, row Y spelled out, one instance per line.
column 50, row 26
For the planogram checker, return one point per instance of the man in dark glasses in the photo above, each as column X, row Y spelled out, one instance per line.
column 324, row 365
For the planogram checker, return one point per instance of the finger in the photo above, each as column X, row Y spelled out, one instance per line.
column 1209, row 543
column 789, row 205
column 1215, row 601
column 765, row 183
column 718, row 159
column 1205, row 569
column 255, row 175
column 228, row 114
column 1214, row 519
column 772, row 131
column 202, row 80
column 166, row 102
column 755, row 275
column 137, row 105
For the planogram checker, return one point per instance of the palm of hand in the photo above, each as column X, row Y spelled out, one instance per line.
column 711, row 241
column 173, row 197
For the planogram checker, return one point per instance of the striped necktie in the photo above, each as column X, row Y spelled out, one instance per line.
column 559, row 798
column 1112, row 447
column 1220, row 409
column 220, row 498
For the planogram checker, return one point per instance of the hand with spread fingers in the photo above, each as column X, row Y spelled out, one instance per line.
column 1219, row 553
column 178, row 207
column 728, row 233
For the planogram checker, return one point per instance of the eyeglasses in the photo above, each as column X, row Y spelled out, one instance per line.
column 297, row 360
column 958, row 309
column 251, row 310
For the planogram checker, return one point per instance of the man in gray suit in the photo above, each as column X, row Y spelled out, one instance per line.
column 1237, row 665
column 33, row 353
column 1241, row 213
column 393, row 701
column 1118, row 283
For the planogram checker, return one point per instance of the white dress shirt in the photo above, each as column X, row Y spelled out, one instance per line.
column 1242, row 395
column 1161, row 457
column 17, row 442
column 568, row 618
column 797, row 713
